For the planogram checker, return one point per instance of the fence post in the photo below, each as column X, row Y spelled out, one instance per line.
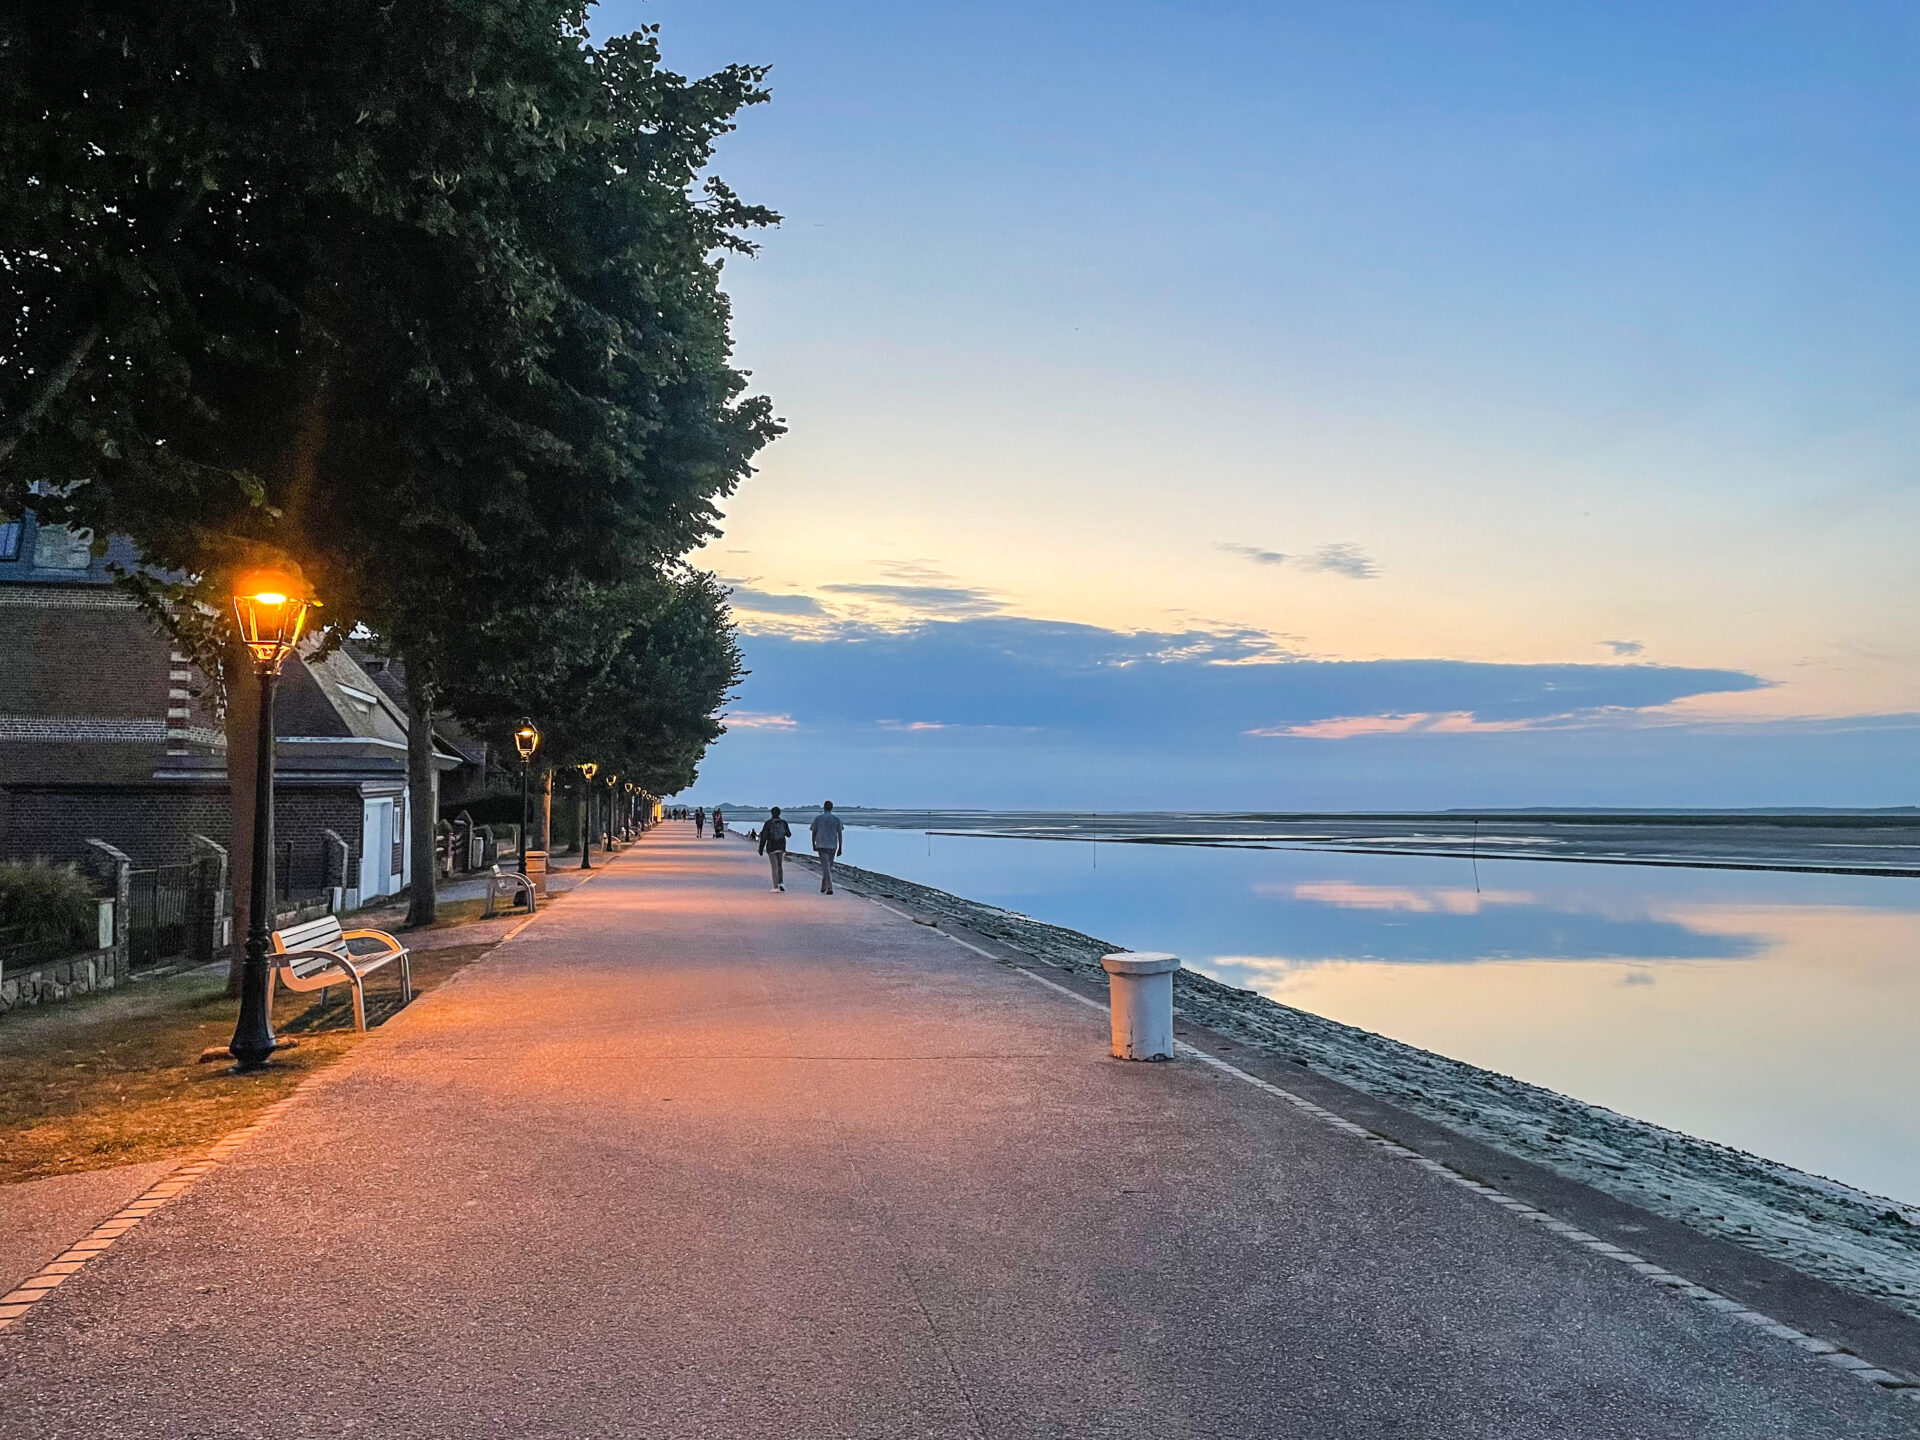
column 207, row 905
column 337, row 854
column 113, row 869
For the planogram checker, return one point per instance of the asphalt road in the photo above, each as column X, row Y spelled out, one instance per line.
column 688, row 1158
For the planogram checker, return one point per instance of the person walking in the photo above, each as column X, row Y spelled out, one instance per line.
column 719, row 824
column 828, row 834
column 700, row 821
column 773, row 844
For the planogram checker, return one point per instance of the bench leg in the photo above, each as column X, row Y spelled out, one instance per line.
column 406, row 979
column 359, row 1004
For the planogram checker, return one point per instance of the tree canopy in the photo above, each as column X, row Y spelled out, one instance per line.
column 424, row 297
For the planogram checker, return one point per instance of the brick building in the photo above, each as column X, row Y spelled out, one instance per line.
column 104, row 734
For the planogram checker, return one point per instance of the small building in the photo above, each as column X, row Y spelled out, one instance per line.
column 107, row 731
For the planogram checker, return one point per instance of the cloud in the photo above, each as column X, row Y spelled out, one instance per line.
column 924, row 599
column 1342, row 559
column 1336, row 559
column 1253, row 553
column 757, row 720
column 1457, row 722
column 767, row 603
column 1201, row 687
column 1625, row 648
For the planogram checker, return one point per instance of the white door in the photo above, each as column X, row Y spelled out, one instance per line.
column 383, row 857
column 376, row 852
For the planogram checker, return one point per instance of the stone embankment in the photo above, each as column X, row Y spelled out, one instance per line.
column 1848, row 1238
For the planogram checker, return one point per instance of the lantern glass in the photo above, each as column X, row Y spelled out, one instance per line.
column 270, row 610
column 526, row 739
column 589, row 769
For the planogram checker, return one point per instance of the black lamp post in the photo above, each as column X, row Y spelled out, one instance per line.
column 589, row 770
column 526, row 740
column 270, row 610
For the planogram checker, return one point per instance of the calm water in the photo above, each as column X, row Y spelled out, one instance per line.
column 1778, row 1013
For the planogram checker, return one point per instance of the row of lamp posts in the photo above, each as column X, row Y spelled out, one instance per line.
column 271, row 610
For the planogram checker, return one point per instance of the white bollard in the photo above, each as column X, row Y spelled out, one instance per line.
column 1140, row 999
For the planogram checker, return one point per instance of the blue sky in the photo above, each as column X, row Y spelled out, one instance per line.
column 1226, row 404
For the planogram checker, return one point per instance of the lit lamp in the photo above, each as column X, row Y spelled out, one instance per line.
column 588, row 769
column 269, row 610
column 526, row 740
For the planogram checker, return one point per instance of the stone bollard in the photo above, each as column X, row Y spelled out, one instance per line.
column 1140, row 998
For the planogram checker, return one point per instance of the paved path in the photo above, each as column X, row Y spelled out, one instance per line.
column 692, row 1159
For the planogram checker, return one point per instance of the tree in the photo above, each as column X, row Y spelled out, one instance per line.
column 631, row 676
column 425, row 297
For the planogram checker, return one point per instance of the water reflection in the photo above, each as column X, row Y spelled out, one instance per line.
column 1765, row 1010
column 1352, row 920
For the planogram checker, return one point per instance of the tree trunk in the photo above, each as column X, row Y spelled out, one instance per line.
column 423, row 784
column 242, row 726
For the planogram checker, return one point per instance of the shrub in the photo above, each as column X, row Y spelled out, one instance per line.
column 41, row 901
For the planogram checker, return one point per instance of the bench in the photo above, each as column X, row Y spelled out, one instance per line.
column 509, row 882
column 319, row 955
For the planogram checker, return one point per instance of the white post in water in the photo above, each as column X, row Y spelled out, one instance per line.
column 1140, row 998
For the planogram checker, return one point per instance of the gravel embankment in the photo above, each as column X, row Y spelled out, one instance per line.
column 1846, row 1237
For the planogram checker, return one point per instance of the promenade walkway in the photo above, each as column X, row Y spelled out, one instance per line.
column 687, row 1158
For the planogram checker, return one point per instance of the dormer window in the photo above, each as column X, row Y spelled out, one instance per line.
column 58, row 547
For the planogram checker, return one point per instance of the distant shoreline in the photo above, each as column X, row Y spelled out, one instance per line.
column 1882, row 844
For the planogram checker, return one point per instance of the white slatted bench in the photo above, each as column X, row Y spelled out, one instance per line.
column 509, row 882
column 319, row 955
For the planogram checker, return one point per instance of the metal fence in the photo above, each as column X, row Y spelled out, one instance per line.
column 20, row 952
column 157, row 917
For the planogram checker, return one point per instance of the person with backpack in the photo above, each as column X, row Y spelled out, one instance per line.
column 773, row 844
column 827, row 843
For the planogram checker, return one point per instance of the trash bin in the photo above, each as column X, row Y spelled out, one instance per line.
column 537, row 871
column 1140, row 999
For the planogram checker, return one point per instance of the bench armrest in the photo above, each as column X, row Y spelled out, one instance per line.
column 286, row 959
column 387, row 942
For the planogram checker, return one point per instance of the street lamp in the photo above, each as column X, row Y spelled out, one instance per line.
column 610, row 819
column 526, row 740
column 588, row 769
column 270, row 608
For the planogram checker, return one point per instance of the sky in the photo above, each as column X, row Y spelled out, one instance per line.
column 1360, row 405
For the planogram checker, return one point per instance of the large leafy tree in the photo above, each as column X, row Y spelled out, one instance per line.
column 426, row 296
column 631, row 676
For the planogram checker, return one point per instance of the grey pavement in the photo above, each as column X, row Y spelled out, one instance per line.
column 687, row 1158
column 41, row 1218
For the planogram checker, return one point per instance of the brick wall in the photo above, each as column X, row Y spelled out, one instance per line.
column 152, row 824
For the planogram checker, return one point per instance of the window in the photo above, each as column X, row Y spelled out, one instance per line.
column 55, row 547
column 10, row 539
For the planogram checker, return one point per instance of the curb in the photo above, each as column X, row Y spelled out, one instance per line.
column 18, row 1302
column 1886, row 1381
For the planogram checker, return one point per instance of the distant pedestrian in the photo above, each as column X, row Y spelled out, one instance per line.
column 700, row 821
column 773, row 844
column 719, row 825
column 828, row 833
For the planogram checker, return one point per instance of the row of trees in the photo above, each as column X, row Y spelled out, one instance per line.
column 424, row 299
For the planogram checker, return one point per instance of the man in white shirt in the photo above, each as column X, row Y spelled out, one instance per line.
column 827, row 834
